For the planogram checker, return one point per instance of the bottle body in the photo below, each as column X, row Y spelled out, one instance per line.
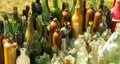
column 9, row 52
column 1, row 49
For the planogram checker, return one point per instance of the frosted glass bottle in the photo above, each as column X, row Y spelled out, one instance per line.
column 23, row 58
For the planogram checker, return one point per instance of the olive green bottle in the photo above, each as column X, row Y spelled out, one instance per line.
column 45, row 11
column 73, row 7
column 56, row 10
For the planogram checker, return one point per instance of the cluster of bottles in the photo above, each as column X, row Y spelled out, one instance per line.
column 47, row 36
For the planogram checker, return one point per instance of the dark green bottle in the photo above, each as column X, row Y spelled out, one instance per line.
column 73, row 7
column 45, row 11
column 56, row 10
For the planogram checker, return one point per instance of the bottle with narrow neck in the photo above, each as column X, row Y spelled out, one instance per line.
column 73, row 7
column 29, row 35
column 56, row 10
column 23, row 58
column 97, row 18
column 102, row 26
column 77, row 21
column 45, row 11
column 89, row 16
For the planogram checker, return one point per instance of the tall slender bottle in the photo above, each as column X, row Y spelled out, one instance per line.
column 1, row 49
column 89, row 16
column 29, row 35
column 66, row 17
column 10, row 48
column 53, row 25
column 97, row 18
column 77, row 21
column 45, row 11
column 73, row 7
column 56, row 10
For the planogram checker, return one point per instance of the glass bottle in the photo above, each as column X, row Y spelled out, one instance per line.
column 97, row 18
column 66, row 16
column 89, row 16
column 1, row 26
column 39, row 24
column 77, row 21
column 57, row 38
column 38, row 7
column 29, row 35
column 56, row 10
column 45, row 11
column 110, row 51
column 73, row 7
column 1, row 49
column 45, row 41
column 106, row 34
column 23, row 58
column 10, row 48
column 102, row 25
column 53, row 25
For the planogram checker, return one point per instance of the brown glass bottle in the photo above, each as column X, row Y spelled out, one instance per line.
column 89, row 16
column 53, row 25
column 57, row 38
column 77, row 21
column 66, row 16
column 97, row 19
column 1, row 50
column 10, row 48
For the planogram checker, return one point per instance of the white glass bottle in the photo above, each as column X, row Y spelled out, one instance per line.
column 23, row 58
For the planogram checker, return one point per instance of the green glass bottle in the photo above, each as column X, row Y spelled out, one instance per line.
column 45, row 11
column 56, row 10
column 73, row 7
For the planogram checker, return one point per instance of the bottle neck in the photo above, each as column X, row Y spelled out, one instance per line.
column 77, row 7
column 44, row 27
column 55, row 3
column 23, row 51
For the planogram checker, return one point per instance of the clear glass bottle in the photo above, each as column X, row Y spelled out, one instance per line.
column 102, row 25
column 77, row 21
column 23, row 58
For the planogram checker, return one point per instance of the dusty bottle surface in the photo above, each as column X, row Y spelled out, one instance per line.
column 77, row 21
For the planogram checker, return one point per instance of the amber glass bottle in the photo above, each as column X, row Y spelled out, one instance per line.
column 53, row 25
column 89, row 16
column 57, row 38
column 97, row 19
column 10, row 49
column 66, row 16
column 77, row 21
